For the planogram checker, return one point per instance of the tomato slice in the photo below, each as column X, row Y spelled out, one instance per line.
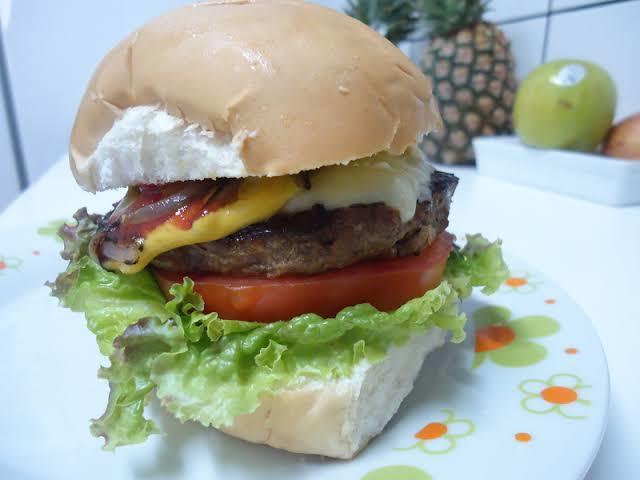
column 386, row 284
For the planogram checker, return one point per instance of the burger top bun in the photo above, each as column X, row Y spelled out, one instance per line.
column 245, row 88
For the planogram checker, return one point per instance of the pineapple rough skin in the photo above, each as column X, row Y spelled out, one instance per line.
column 472, row 71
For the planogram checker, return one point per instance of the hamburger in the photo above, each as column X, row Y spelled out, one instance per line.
column 279, row 265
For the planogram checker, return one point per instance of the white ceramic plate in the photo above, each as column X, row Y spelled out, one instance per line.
column 524, row 397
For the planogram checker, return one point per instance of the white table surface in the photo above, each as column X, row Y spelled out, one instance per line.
column 591, row 250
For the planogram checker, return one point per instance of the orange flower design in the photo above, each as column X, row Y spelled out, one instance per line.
column 523, row 437
column 9, row 263
column 561, row 393
column 510, row 342
column 437, row 438
column 520, row 282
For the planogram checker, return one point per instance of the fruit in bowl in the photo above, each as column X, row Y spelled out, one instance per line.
column 565, row 104
column 623, row 140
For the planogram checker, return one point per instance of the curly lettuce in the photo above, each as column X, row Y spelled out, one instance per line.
column 478, row 264
column 211, row 370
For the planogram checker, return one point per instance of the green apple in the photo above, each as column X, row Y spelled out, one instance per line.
column 565, row 104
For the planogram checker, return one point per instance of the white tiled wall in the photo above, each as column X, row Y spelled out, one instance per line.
column 336, row 4
column 52, row 48
column 527, row 41
column 561, row 4
column 612, row 40
column 501, row 10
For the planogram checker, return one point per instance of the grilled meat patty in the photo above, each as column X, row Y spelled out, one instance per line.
column 319, row 240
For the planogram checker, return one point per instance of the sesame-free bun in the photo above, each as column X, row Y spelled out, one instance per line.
column 245, row 87
column 337, row 418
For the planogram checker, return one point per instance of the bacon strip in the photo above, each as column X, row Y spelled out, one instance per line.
column 121, row 234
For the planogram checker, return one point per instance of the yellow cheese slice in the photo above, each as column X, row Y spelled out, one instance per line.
column 258, row 199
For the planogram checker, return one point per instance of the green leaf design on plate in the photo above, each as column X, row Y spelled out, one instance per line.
column 51, row 229
column 441, row 437
column 560, row 394
column 520, row 353
column 508, row 342
column 9, row 263
column 491, row 315
column 397, row 472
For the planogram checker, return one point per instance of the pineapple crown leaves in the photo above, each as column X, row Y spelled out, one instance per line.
column 445, row 17
column 395, row 19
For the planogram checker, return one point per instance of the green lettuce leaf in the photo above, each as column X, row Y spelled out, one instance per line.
column 216, row 381
column 478, row 264
column 76, row 237
column 130, row 383
column 211, row 370
column 110, row 301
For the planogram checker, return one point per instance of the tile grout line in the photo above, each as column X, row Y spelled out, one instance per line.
column 547, row 29
column 522, row 18
column 578, row 8
column 550, row 11
column 12, row 121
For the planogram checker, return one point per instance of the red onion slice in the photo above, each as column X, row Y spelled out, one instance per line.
column 172, row 198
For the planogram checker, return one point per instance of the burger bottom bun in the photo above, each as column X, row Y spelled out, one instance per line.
column 338, row 418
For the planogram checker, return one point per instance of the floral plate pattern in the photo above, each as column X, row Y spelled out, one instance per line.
column 525, row 396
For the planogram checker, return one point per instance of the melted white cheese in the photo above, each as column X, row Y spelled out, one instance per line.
column 397, row 181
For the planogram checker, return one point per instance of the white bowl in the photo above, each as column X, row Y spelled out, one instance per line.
column 593, row 177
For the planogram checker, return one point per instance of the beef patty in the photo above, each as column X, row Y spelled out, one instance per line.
column 319, row 240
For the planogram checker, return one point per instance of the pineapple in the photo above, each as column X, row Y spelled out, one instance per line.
column 471, row 67
column 394, row 19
